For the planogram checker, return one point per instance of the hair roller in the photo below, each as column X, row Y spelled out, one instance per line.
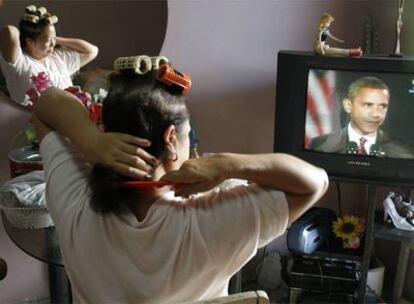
column 139, row 64
column 39, row 14
column 42, row 10
column 31, row 9
column 51, row 20
column 157, row 61
column 31, row 18
column 176, row 80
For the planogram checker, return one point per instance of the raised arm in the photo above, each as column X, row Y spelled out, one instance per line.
column 303, row 183
column 60, row 110
column 334, row 38
column 86, row 50
column 10, row 43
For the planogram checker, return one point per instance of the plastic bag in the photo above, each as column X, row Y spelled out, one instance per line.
column 28, row 189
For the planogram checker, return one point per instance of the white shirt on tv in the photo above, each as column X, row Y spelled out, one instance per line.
column 355, row 137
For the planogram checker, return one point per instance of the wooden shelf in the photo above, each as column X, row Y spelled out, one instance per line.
column 387, row 232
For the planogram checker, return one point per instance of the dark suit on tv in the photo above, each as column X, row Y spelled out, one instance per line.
column 338, row 142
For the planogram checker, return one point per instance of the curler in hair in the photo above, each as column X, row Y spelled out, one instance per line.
column 173, row 78
column 31, row 9
column 39, row 14
column 31, row 18
column 139, row 64
column 42, row 10
column 52, row 19
column 157, row 61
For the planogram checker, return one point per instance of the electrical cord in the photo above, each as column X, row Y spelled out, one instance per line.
column 338, row 193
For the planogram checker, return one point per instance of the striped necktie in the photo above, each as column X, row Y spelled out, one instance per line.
column 361, row 149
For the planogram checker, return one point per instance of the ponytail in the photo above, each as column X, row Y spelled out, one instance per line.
column 108, row 195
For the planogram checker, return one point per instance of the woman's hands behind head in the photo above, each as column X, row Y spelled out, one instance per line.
column 198, row 175
column 121, row 152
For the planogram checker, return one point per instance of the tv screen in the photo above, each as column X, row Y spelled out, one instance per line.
column 352, row 116
column 379, row 113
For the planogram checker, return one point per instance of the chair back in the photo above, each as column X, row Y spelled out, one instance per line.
column 3, row 269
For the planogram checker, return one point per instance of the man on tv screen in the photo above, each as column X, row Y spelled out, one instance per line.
column 366, row 104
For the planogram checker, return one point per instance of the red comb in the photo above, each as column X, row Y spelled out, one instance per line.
column 149, row 184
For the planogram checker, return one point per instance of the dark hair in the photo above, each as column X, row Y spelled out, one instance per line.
column 141, row 106
column 365, row 82
column 31, row 30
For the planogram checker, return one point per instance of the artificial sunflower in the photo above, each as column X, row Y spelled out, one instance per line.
column 348, row 227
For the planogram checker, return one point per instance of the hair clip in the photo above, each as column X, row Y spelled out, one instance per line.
column 157, row 61
column 31, row 18
column 173, row 78
column 140, row 64
column 51, row 19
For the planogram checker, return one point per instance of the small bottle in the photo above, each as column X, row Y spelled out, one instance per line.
column 193, row 143
column 194, row 152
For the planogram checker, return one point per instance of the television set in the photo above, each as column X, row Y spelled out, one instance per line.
column 313, row 106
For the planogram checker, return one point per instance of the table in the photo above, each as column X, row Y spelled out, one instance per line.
column 43, row 245
column 406, row 239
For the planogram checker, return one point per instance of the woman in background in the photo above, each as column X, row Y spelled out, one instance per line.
column 322, row 48
column 125, row 244
column 31, row 49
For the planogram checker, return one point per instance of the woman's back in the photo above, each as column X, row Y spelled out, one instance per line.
column 183, row 249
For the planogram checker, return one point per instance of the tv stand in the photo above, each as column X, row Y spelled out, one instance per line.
column 312, row 126
column 369, row 240
column 396, row 55
column 382, row 231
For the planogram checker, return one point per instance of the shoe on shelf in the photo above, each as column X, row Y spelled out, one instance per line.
column 400, row 211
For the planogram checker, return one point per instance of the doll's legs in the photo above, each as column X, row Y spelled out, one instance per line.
column 355, row 52
column 318, row 49
column 343, row 52
column 339, row 52
column 331, row 51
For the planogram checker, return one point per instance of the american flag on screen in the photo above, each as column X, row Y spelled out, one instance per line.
column 321, row 108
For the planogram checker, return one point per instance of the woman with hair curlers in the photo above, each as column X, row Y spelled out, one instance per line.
column 32, row 49
column 181, row 234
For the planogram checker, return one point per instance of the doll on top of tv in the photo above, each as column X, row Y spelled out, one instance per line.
column 322, row 48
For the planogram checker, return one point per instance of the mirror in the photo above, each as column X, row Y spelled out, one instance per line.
column 118, row 28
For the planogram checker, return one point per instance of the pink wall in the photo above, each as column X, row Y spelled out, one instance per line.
column 230, row 49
